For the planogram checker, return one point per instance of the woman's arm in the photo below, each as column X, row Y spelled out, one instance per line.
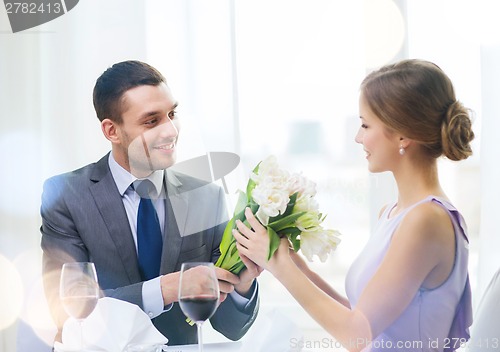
column 340, row 321
column 317, row 279
column 424, row 237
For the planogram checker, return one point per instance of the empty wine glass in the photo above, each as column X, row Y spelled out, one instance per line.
column 198, row 294
column 79, row 291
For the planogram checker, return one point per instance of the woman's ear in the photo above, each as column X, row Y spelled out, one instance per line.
column 404, row 142
column 110, row 130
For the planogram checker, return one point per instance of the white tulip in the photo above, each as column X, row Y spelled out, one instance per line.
column 302, row 185
column 319, row 242
column 271, row 201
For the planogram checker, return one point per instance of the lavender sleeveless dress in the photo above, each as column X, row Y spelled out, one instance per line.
column 437, row 319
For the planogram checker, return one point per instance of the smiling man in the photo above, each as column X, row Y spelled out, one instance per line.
column 94, row 213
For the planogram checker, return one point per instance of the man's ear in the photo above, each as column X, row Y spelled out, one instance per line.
column 110, row 130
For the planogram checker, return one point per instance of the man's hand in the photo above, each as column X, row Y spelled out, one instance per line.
column 247, row 276
column 170, row 287
column 227, row 282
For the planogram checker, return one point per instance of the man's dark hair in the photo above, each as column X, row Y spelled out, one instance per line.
column 115, row 81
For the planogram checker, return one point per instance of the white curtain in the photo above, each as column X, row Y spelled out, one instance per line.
column 489, row 239
column 48, row 126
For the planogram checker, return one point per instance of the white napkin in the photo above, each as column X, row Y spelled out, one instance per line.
column 112, row 326
column 275, row 332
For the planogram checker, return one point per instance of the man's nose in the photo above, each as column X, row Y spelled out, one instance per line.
column 169, row 129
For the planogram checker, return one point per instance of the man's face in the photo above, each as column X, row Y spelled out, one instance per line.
column 149, row 130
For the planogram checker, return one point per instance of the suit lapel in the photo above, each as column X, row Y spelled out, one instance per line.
column 176, row 208
column 110, row 205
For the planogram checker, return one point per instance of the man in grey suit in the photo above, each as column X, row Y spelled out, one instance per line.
column 90, row 214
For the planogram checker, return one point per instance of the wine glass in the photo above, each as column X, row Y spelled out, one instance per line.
column 79, row 291
column 198, row 293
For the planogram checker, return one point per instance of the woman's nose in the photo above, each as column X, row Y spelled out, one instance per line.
column 358, row 138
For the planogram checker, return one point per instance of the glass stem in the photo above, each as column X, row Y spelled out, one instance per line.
column 80, row 322
column 200, row 337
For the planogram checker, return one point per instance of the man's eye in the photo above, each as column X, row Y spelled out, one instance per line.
column 172, row 114
column 151, row 122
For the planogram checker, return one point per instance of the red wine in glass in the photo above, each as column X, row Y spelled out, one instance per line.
column 199, row 308
column 198, row 293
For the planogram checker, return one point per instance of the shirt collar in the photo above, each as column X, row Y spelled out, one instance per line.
column 123, row 178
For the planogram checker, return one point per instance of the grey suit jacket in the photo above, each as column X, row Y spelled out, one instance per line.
column 83, row 219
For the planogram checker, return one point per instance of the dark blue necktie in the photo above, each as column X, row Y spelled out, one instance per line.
column 149, row 237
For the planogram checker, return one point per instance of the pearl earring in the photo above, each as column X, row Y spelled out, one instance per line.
column 402, row 150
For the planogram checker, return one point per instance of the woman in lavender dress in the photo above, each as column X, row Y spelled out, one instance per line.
column 409, row 289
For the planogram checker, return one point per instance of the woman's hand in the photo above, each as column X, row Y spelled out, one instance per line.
column 253, row 243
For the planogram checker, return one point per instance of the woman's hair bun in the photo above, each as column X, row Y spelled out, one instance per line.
column 456, row 132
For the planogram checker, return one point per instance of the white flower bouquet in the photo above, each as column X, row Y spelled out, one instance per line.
column 284, row 204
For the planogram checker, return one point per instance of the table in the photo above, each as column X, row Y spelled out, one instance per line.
column 208, row 347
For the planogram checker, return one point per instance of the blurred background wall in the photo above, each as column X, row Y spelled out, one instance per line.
column 253, row 77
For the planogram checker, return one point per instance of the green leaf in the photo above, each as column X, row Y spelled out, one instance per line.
column 321, row 217
column 240, row 215
column 233, row 250
column 285, row 221
column 290, row 231
column 253, row 206
column 295, row 241
column 274, row 241
column 227, row 239
column 232, row 256
column 241, row 204
column 229, row 253
column 251, row 183
column 291, row 204
column 288, row 209
column 237, row 268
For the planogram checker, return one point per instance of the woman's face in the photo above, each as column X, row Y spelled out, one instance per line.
column 380, row 144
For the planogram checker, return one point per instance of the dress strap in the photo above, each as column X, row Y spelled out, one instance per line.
column 457, row 217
